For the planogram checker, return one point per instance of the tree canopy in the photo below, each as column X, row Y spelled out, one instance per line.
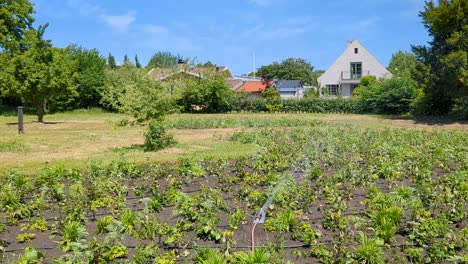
column 15, row 19
column 39, row 74
column 289, row 69
column 89, row 67
column 443, row 72
column 163, row 60
column 402, row 64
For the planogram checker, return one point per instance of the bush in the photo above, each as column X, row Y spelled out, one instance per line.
column 156, row 136
column 273, row 99
column 460, row 107
column 391, row 96
column 322, row 105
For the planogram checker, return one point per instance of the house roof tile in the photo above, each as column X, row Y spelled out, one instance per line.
column 252, row 87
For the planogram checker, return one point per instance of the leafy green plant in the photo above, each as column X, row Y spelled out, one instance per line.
column 210, row 256
column 414, row 255
column 156, row 137
column 260, row 256
column 104, row 224
column 236, row 218
column 306, row 233
column 370, row 250
column 25, row 237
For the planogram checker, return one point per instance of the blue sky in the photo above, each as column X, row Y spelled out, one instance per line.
column 228, row 32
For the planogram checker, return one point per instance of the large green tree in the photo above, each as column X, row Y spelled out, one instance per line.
column 163, row 60
column 130, row 90
column 403, row 64
column 444, row 69
column 15, row 19
column 111, row 61
column 289, row 69
column 211, row 95
column 89, row 67
column 40, row 74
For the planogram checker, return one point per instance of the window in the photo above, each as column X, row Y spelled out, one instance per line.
column 355, row 50
column 332, row 89
column 356, row 70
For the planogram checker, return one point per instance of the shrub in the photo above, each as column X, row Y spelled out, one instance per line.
column 460, row 107
column 322, row 105
column 273, row 99
column 156, row 136
column 392, row 96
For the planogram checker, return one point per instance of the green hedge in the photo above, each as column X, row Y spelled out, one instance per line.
column 309, row 105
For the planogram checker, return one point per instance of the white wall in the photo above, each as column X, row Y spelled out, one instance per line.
column 369, row 63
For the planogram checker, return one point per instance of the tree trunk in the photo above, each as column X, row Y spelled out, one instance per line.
column 40, row 114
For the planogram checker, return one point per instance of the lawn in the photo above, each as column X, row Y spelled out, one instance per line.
column 73, row 139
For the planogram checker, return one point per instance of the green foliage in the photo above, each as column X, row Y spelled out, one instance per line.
column 402, row 64
column 156, row 136
column 137, row 62
column 370, row 250
column 311, row 93
column 163, row 60
column 260, row 256
column 236, row 218
column 306, row 233
column 211, row 95
column 89, row 67
column 25, row 237
column 443, row 71
column 111, row 61
column 130, row 91
column 210, row 256
column 386, row 96
column 290, row 69
column 40, row 74
column 273, row 99
column 104, row 224
column 16, row 18
column 460, row 107
column 322, row 105
column 31, row 256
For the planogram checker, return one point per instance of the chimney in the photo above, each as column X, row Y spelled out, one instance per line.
column 181, row 65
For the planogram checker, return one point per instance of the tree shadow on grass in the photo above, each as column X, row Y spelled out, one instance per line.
column 139, row 147
column 28, row 123
column 431, row 120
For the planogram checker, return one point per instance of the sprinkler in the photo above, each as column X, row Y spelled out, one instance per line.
column 260, row 214
column 259, row 218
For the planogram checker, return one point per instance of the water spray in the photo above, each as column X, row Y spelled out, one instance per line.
column 260, row 215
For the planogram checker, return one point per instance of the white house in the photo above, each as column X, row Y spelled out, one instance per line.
column 345, row 74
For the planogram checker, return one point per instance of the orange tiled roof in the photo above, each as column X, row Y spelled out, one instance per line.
column 253, row 86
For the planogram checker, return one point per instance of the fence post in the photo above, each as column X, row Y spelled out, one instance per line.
column 20, row 120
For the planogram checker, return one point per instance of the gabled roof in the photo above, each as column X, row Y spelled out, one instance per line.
column 200, row 72
column 355, row 52
column 234, row 83
column 252, row 87
column 288, row 85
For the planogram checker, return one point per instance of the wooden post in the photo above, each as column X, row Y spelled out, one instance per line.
column 20, row 120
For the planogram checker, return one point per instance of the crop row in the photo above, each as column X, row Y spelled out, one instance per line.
column 340, row 193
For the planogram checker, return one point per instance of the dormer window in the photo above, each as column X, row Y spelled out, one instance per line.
column 355, row 50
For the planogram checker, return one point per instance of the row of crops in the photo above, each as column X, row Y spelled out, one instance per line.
column 340, row 194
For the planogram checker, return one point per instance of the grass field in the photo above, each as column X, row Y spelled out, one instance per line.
column 73, row 139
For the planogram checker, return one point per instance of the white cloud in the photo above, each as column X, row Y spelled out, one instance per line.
column 119, row 23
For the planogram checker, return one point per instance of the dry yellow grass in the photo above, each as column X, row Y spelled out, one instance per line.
column 74, row 139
